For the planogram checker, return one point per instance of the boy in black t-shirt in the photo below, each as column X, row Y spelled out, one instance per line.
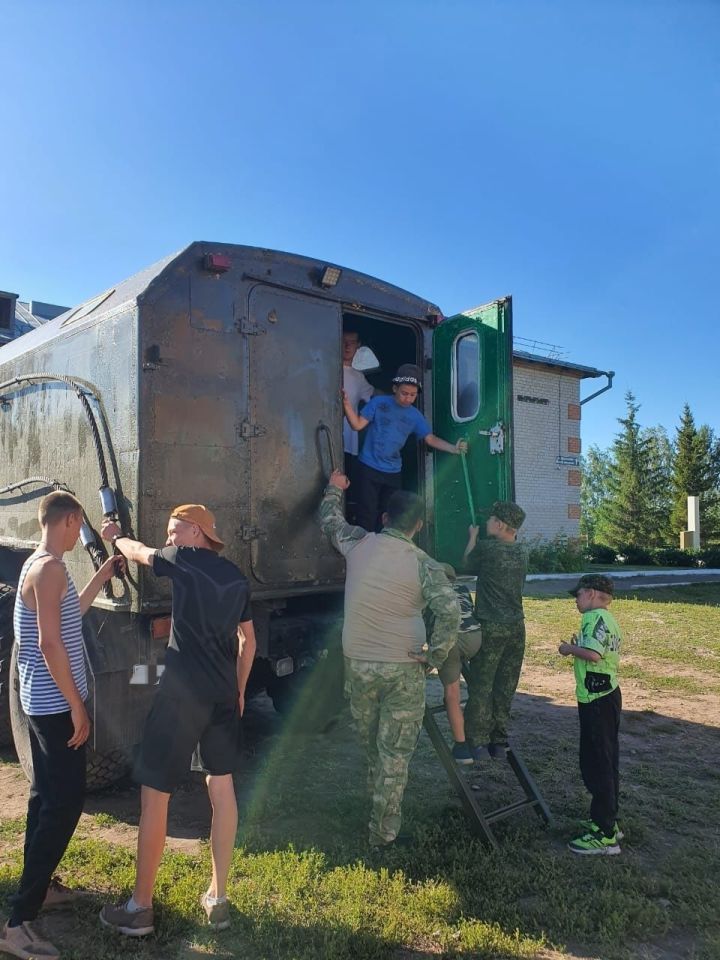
column 198, row 706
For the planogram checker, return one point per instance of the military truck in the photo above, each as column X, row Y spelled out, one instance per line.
column 214, row 376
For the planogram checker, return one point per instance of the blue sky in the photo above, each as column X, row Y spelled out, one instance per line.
column 567, row 153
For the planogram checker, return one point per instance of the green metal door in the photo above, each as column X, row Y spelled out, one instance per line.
column 472, row 398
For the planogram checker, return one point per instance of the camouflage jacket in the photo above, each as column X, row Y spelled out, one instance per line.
column 435, row 592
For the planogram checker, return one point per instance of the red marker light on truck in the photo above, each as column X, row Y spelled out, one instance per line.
column 216, row 262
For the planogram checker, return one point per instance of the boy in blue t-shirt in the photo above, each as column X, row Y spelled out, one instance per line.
column 390, row 421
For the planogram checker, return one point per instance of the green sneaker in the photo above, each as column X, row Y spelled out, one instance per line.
column 594, row 843
column 589, row 825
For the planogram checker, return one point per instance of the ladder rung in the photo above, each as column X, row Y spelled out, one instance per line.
column 511, row 808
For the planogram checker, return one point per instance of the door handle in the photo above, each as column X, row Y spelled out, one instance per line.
column 323, row 428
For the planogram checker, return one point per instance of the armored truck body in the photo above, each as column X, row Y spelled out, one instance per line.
column 214, row 377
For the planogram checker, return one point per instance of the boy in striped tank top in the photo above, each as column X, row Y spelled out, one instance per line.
column 53, row 688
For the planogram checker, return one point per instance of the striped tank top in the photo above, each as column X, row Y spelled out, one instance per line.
column 39, row 694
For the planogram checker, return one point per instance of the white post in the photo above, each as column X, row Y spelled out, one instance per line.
column 694, row 521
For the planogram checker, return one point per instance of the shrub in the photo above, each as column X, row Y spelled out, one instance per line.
column 673, row 557
column 709, row 557
column 637, row 556
column 599, row 553
column 560, row 555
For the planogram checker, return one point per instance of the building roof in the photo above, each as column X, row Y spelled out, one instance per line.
column 578, row 369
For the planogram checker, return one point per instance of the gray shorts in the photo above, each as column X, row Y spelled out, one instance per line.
column 466, row 647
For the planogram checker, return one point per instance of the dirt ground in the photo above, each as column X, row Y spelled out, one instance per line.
column 692, row 723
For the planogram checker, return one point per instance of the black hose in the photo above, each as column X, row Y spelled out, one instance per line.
column 81, row 392
column 96, row 549
column 55, row 484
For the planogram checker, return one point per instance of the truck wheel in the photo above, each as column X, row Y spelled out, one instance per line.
column 18, row 720
column 312, row 698
column 103, row 769
column 7, row 606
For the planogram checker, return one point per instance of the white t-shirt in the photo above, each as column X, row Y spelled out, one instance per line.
column 357, row 388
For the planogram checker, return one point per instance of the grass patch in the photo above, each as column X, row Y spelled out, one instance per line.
column 105, row 820
column 12, row 829
column 666, row 626
column 303, row 887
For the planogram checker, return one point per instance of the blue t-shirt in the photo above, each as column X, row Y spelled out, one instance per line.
column 389, row 427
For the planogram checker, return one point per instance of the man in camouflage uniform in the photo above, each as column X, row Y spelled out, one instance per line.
column 500, row 564
column 389, row 582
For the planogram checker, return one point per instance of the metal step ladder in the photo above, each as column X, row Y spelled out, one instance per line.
column 480, row 821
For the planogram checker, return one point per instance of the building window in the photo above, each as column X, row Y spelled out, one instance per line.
column 466, row 376
column 6, row 312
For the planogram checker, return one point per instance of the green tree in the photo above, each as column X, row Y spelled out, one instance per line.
column 660, row 456
column 696, row 472
column 629, row 514
column 596, row 467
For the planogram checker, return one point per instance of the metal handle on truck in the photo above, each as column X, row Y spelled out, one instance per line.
column 324, row 428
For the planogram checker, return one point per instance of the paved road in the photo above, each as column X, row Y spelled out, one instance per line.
column 541, row 585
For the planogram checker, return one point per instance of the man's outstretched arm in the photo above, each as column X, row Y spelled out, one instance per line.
column 343, row 535
column 130, row 549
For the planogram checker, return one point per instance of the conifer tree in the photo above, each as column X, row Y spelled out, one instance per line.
column 659, row 478
column 696, row 472
column 596, row 467
column 629, row 514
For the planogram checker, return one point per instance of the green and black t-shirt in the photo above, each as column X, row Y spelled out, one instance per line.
column 210, row 597
column 599, row 631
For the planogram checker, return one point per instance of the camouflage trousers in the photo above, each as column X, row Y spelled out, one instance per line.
column 492, row 679
column 387, row 702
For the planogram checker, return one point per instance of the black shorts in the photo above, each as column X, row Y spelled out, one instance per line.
column 183, row 733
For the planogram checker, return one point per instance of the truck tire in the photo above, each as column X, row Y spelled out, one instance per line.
column 103, row 769
column 312, row 698
column 7, row 606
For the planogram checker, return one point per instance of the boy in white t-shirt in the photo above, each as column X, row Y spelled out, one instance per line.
column 359, row 391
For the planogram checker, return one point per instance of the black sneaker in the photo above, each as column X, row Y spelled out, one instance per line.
column 498, row 751
column 462, row 753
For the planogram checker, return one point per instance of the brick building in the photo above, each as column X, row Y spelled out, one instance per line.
column 547, row 410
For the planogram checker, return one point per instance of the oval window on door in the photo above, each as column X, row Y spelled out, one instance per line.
column 466, row 376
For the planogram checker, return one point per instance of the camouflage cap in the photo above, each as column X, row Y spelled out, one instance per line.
column 594, row 581
column 509, row 513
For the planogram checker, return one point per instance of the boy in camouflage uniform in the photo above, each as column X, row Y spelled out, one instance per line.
column 500, row 564
column 389, row 582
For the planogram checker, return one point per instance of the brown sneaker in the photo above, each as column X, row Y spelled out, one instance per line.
column 24, row 942
column 131, row 923
column 58, row 895
column 218, row 914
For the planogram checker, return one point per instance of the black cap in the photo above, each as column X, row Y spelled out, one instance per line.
column 408, row 373
column 594, row 581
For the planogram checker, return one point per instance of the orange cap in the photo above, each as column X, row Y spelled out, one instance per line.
column 204, row 518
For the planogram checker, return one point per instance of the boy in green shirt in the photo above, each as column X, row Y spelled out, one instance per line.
column 596, row 654
column 500, row 564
